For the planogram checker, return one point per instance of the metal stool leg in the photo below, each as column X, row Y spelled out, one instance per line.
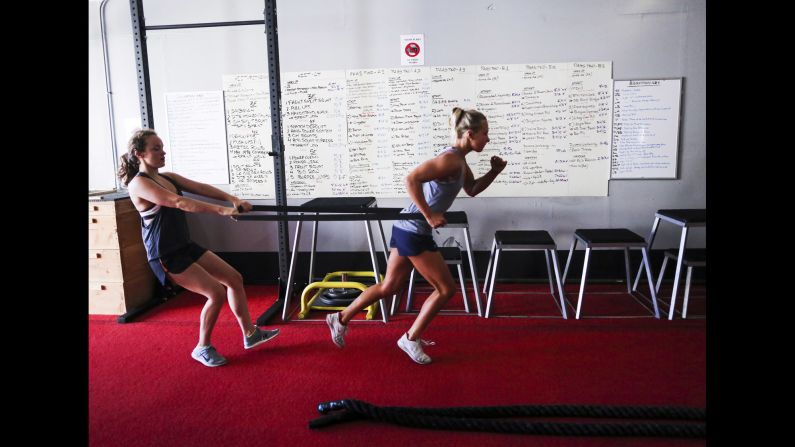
column 560, row 286
column 568, row 260
column 626, row 268
column 488, row 268
column 410, row 293
column 679, row 262
column 293, row 256
column 662, row 271
column 651, row 241
column 650, row 279
column 491, row 284
column 463, row 287
column 687, row 291
column 549, row 273
column 371, row 244
column 472, row 269
column 582, row 283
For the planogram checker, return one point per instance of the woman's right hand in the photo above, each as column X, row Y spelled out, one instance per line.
column 436, row 220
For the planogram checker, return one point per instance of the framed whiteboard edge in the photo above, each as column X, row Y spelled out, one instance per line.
column 678, row 130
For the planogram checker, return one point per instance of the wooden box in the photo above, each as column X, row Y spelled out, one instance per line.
column 119, row 277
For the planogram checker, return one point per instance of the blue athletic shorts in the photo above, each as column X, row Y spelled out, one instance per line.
column 176, row 262
column 411, row 244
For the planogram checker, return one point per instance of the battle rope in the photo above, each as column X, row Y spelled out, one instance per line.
column 478, row 419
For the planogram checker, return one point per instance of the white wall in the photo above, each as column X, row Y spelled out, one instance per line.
column 644, row 39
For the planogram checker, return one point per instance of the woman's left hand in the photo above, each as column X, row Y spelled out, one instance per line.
column 497, row 164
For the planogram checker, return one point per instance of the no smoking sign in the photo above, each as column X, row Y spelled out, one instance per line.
column 412, row 51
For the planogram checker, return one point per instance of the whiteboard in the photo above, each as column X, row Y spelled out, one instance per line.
column 359, row 132
column 197, row 135
column 645, row 128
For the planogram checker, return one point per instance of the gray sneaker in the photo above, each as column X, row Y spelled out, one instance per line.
column 338, row 330
column 414, row 350
column 208, row 356
column 258, row 337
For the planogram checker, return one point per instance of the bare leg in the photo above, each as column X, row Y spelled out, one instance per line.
column 196, row 279
column 236, row 293
column 397, row 271
column 431, row 265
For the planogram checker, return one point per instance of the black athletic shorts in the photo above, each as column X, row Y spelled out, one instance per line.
column 176, row 262
column 411, row 244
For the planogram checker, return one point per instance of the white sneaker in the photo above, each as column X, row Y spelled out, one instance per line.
column 414, row 350
column 338, row 330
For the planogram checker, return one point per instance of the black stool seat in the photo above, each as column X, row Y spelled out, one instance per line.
column 456, row 217
column 687, row 216
column 450, row 253
column 609, row 236
column 331, row 202
column 692, row 255
column 518, row 237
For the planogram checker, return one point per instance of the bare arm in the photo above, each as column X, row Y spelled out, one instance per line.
column 434, row 169
column 147, row 189
column 474, row 187
column 210, row 191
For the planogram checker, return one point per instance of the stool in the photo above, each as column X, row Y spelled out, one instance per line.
column 523, row 241
column 610, row 239
column 452, row 256
column 685, row 218
column 694, row 257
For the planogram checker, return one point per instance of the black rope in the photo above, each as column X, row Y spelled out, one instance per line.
column 476, row 419
column 583, row 411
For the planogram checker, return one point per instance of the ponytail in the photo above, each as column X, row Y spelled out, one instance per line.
column 462, row 120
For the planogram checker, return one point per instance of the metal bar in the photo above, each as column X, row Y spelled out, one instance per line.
column 326, row 217
column 645, row 253
column 471, row 256
column 549, row 273
column 376, row 273
column 109, row 90
column 627, row 270
column 491, row 283
column 291, row 271
column 582, row 282
column 687, row 291
column 410, row 292
column 323, row 209
column 277, row 143
column 488, row 268
column 679, row 260
column 205, row 25
column 651, row 241
column 312, row 252
column 142, row 63
column 560, row 286
column 464, row 287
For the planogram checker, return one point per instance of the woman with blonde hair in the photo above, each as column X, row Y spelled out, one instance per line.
column 432, row 187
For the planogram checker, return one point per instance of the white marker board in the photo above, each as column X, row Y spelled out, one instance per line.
column 645, row 128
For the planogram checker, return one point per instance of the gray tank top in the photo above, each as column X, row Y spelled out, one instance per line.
column 439, row 195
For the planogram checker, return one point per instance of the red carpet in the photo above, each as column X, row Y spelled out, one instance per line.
column 145, row 390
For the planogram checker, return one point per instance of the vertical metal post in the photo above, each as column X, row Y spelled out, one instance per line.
column 142, row 62
column 277, row 151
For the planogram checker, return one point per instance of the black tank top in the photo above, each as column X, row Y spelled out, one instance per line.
column 164, row 230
